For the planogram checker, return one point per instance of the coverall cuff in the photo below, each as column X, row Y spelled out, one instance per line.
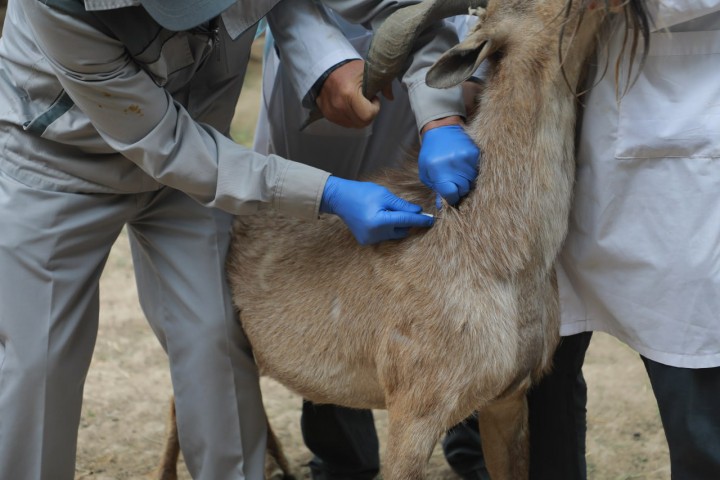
column 300, row 191
column 316, row 71
column 429, row 103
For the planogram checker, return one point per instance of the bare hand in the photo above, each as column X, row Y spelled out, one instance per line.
column 341, row 99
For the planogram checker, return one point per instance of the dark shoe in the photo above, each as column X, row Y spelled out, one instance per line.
column 317, row 473
column 479, row 474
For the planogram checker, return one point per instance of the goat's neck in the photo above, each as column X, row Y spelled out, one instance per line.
column 517, row 214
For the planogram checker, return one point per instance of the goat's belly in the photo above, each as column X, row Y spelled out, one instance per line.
column 320, row 361
column 330, row 384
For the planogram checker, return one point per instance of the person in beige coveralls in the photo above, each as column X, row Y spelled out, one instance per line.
column 116, row 113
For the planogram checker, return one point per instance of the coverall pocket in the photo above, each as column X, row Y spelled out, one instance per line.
column 673, row 110
column 40, row 123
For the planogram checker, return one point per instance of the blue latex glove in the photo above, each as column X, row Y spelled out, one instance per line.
column 371, row 212
column 448, row 162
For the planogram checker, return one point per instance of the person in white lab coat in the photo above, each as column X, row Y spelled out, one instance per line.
column 642, row 257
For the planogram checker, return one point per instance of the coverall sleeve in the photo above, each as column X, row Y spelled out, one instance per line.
column 301, row 44
column 310, row 42
column 141, row 121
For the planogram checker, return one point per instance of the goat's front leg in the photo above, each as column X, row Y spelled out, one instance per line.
column 505, row 436
column 411, row 439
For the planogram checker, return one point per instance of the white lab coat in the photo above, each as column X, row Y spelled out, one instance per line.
column 642, row 257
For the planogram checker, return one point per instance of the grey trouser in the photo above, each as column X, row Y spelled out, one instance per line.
column 53, row 247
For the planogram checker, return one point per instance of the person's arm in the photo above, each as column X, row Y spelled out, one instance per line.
column 141, row 121
column 449, row 160
column 428, row 104
column 322, row 65
column 309, row 43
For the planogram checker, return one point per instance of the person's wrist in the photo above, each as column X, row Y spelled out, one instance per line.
column 320, row 82
column 326, row 202
column 442, row 122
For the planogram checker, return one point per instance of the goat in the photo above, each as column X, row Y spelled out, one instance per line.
column 3, row 9
column 464, row 316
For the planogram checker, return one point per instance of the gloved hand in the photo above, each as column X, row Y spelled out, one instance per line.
column 448, row 162
column 371, row 212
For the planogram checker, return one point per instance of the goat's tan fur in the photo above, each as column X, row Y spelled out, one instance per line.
column 458, row 318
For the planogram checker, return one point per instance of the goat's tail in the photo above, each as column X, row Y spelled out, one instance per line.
column 277, row 466
column 168, row 466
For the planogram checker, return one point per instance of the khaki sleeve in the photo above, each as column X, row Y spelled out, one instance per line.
column 141, row 121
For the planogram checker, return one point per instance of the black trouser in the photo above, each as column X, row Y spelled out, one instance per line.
column 343, row 440
column 689, row 403
column 345, row 443
column 558, row 417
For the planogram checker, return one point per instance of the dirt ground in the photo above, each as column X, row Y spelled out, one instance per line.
column 128, row 389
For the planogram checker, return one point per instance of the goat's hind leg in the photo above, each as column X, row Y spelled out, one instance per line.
column 505, row 436
column 277, row 466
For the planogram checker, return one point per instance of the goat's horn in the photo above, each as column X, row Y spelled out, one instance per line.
column 394, row 39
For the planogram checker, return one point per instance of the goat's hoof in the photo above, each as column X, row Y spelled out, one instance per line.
column 279, row 475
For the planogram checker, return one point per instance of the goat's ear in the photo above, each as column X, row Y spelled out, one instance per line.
column 460, row 62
